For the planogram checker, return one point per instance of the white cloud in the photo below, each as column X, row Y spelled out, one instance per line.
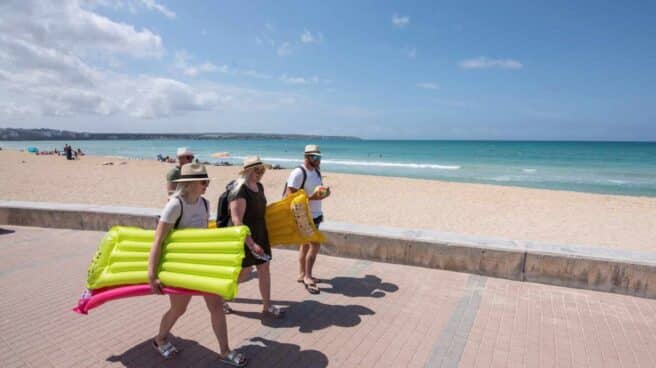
column 293, row 80
column 303, row 80
column 65, row 26
column 485, row 63
column 45, row 66
column 284, row 49
column 132, row 6
column 428, row 85
column 182, row 62
column 153, row 5
column 308, row 37
column 63, row 60
column 400, row 21
column 254, row 74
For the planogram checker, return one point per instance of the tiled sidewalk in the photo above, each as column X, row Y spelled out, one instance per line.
column 367, row 315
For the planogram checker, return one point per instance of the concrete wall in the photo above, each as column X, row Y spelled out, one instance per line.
column 611, row 270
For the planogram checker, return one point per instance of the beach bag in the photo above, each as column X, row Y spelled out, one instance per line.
column 303, row 182
column 223, row 208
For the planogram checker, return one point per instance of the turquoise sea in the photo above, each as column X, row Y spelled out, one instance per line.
column 626, row 168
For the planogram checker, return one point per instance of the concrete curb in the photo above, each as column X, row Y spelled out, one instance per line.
column 610, row 270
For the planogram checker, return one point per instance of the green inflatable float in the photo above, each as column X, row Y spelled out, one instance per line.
column 207, row 260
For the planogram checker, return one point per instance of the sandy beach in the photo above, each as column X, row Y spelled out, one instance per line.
column 484, row 210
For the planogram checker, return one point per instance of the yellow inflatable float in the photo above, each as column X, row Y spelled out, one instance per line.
column 289, row 221
column 207, row 260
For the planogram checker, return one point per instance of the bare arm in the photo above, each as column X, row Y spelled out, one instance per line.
column 237, row 210
column 314, row 196
column 290, row 190
column 161, row 233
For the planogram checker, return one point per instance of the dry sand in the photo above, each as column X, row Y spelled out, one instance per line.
column 475, row 209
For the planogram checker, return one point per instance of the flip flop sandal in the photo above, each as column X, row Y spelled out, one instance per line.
column 316, row 280
column 227, row 309
column 167, row 350
column 234, row 359
column 273, row 312
column 312, row 288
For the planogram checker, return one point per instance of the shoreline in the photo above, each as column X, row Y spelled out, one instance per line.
column 519, row 213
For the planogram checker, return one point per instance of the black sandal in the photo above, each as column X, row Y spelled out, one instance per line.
column 312, row 288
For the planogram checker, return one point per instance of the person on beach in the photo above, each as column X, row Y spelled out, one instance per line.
column 187, row 209
column 69, row 152
column 308, row 177
column 247, row 207
column 185, row 156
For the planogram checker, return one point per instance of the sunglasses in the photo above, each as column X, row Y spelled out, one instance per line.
column 260, row 170
column 189, row 157
column 314, row 157
column 205, row 183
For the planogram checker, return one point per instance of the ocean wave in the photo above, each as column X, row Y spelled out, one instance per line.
column 529, row 170
column 367, row 163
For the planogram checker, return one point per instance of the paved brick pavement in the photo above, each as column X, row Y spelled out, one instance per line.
column 367, row 315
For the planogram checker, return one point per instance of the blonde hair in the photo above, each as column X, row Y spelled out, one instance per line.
column 181, row 190
column 241, row 180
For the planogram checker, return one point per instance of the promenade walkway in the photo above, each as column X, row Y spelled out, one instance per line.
column 367, row 315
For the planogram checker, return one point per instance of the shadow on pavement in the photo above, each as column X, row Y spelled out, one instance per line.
column 260, row 352
column 367, row 286
column 269, row 353
column 6, row 231
column 308, row 315
column 144, row 355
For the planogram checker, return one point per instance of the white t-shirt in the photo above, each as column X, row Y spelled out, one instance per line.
column 194, row 215
column 312, row 181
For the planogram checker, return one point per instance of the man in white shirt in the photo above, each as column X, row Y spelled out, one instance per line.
column 308, row 177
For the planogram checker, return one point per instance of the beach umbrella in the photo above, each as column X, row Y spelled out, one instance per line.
column 220, row 154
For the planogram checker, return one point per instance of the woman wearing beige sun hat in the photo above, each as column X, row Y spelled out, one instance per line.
column 187, row 209
column 247, row 207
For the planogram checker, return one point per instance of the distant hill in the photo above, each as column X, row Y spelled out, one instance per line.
column 18, row 134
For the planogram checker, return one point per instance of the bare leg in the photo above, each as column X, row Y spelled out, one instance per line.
column 215, row 306
column 178, row 306
column 309, row 261
column 244, row 274
column 302, row 254
column 264, row 278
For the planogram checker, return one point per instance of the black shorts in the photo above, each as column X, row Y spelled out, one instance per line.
column 318, row 220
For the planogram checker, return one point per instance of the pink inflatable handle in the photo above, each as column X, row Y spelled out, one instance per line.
column 95, row 298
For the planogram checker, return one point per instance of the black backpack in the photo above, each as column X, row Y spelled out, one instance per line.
column 303, row 182
column 177, row 222
column 223, row 208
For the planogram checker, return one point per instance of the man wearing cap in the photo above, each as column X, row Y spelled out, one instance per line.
column 308, row 177
column 185, row 156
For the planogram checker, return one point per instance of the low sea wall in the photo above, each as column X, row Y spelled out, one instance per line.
column 610, row 270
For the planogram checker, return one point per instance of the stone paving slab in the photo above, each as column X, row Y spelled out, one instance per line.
column 368, row 315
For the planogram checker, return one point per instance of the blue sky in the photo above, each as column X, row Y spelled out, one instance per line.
column 427, row 70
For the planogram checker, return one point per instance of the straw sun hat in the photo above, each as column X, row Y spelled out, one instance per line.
column 192, row 172
column 252, row 162
column 312, row 149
